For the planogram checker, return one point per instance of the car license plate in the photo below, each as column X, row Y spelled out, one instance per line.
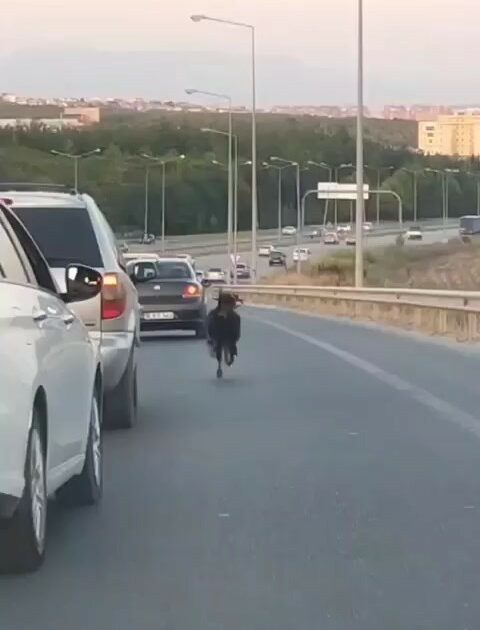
column 161, row 315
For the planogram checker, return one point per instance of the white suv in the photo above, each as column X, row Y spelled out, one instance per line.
column 70, row 228
column 51, row 388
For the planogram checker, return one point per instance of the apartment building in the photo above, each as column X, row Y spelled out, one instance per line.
column 457, row 134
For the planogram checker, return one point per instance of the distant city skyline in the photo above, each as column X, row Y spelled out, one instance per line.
column 421, row 51
column 90, row 72
column 77, row 111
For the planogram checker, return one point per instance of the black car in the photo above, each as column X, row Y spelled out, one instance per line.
column 170, row 296
column 277, row 259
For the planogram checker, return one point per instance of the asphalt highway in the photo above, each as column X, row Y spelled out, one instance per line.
column 331, row 481
column 319, row 249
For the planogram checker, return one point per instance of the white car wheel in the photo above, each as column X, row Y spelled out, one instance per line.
column 22, row 536
column 38, row 495
column 87, row 487
column 96, row 442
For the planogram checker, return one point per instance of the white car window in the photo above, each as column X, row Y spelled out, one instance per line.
column 11, row 266
column 37, row 266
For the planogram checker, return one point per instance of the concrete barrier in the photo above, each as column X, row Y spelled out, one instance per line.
column 454, row 314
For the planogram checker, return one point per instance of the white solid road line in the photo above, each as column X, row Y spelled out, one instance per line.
column 432, row 402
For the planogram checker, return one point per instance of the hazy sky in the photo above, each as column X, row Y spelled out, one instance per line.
column 432, row 45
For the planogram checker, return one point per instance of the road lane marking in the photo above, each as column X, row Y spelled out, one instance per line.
column 427, row 399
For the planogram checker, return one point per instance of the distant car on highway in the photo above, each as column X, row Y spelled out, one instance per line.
column 147, row 239
column 301, row 254
column 315, row 233
column 367, row 226
column 331, row 238
column 243, row 272
column 70, row 228
column 264, row 250
column 277, row 259
column 215, row 275
column 469, row 225
column 50, row 393
column 289, row 230
column 170, row 295
column 414, row 233
column 344, row 229
column 350, row 240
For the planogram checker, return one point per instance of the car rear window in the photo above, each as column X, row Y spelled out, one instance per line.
column 173, row 271
column 64, row 235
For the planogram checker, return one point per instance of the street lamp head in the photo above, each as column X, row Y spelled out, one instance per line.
column 54, row 152
column 197, row 18
column 275, row 158
column 191, row 91
column 249, row 163
column 182, row 156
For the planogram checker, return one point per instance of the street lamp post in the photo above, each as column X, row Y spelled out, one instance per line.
column 329, row 170
column 414, row 174
column 251, row 28
column 378, row 171
column 235, row 203
column 477, row 180
column 147, row 202
column 279, row 170
column 445, row 175
column 337, row 170
column 230, row 219
column 360, row 210
column 163, row 163
column 448, row 172
column 231, row 195
column 299, row 203
column 76, row 157
column 442, row 177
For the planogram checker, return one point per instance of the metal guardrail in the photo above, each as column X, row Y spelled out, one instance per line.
column 431, row 297
column 449, row 313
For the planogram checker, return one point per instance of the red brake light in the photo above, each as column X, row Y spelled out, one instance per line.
column 114, row 296
column 192, row 291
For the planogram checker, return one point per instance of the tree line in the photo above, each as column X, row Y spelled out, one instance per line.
column 196, row 188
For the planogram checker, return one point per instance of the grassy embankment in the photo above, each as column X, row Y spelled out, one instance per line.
column 452, row 265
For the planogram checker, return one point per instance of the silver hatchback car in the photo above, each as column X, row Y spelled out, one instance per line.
column 70, row 228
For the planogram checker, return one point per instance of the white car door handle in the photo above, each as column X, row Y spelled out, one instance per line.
column 39, row 316
column 68, row 319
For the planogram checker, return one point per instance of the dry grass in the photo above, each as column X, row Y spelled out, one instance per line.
column 452, row 265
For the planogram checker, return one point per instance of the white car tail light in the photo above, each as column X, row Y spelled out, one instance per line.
column 114, row 296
